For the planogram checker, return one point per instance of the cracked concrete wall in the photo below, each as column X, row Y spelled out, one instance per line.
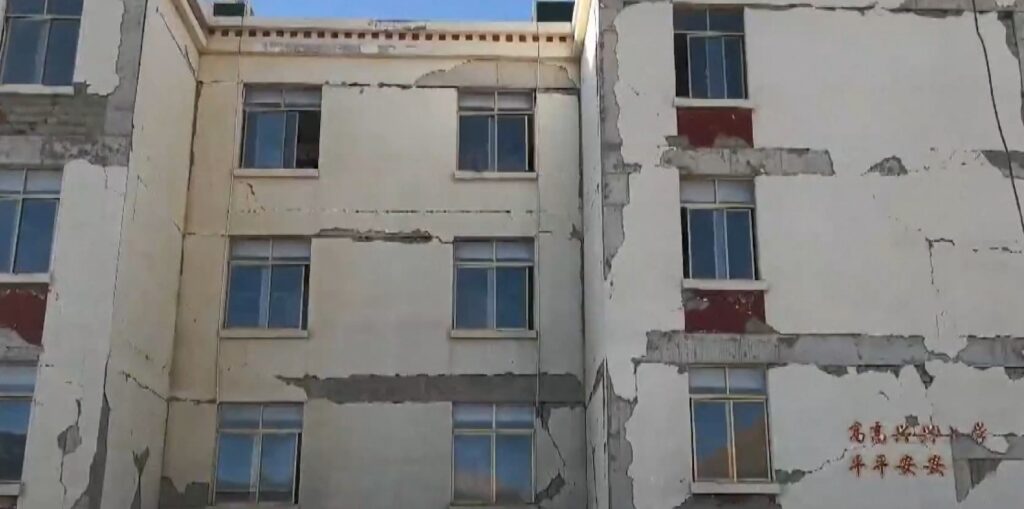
column 894, row 231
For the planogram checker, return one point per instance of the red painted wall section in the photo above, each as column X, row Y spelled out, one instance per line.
column 724, row 311
column 715, row 127
column 22, row 310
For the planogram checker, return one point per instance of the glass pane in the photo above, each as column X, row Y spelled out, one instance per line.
column 513, row 297
column 473, row 294
column 702, row 243
column 25, row 6
column 682, row 66
column 35, row 236
column 751, row 439
column 716, row 67
column 8, row 220
column 234, row 464
column 746, row 381
column 249, row 130
column 307, row 150
column 721, row 256
column 236, row 416
column 734, row 88
column 521, row 251
column 12, row 180
column 474, row 251
column 741, row 250
column 475, row 135
column 245, row 289
column 268, row 130
column 513, row 468
column 472, row 458
column 277, row 467
column 514, row 417
column 17, row 380
column 282, row 417
column 711, row 440
column 512, row 143
column 23, row 51
column 707, row 380
column 264, row 96
column 698, row 67
column 43, row 182
column 697, row 191
column 483, row 101
column 726, row 20
column 690, row 19
column 13, row 428
column 60, row 52
column 291, row 136
column 472, row 416
column 286, row 291
column 64, row 7
column 250, row 249
column 290, row 249
column 515, row 101
column 735, row 191
column 302, row 97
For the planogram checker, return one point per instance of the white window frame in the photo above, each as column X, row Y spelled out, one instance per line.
column 493, row 432
column 49, row 19
column 709, row 34
column 494, row 264
column 270, row 262
column 20, row 197
column 750, row 208
column 283, row 106
column 257, row 451
column 497, row 112
column 728, row 398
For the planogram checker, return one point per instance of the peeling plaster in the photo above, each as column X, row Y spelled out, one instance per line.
column 92, row 496
column 747, row 162
column 889, row 167
column 194, row 496
column 620, row 450
column 500, row 74
column 557, row 389
column 730, row 501
column 997, row 158
column 410, row 237
column 140, row 461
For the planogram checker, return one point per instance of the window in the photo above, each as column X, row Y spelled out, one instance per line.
column 28, row 211
column 718, row 228
column 282, row 128
column 492, row 454
column 494, row 284
column 709, row 53
column 268, row 282
column 17, row 383
column 730, row 424
column 496, row 131
column 258, row 453
column 40, row 41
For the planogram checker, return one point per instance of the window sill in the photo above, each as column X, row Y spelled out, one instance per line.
column 10, row 488
column 256, row 333
column 495, row 175
column 42, row 278
column 726, row 284
column 684, row 102
column 734, row 488
column 34, row 89
column 492, row 334
column 276, row 172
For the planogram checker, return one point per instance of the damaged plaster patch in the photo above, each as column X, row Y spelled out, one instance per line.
column 620, row 450
column 891, row 166
column 92, row 496
column 501, row 74
column 140, row 461
column 410, row 237
column 551, row 490
column 564, row 389
column 998, row 159
column 194, row 496
column 730, row 501
column 747, row 162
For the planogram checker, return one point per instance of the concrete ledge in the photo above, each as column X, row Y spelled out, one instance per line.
column 495, row 175
column 23, row 279
column 687, row 102
column 37, row 89
column 745, row 162
column 735, row 488
column 10, row 489
column 469, row 506
column 491, row 334
column 255, row 333
column 726, row 284
column 276, row 172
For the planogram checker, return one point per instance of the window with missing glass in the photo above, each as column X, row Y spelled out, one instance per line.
column 709, row 53
column 496, row 131
column 494, row 284
column 17, row 383
column 28, row 214
column 268, row 283
column 492, row 454
column 258, row 453
column 729, row 410
column 281, row 128
column 40, row 41
column 718, row 229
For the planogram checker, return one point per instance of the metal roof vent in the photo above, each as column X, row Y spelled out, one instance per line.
column 231, row 8
column 554, row 10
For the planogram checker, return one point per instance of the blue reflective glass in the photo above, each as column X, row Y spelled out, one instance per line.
column 472, row 458
column 25, row 6
column 472, row 290
column 244, row 291
column 726, row 20
column 514, row 417
column 513, row 468
column 234, row 464
column 512, row 294
column 740, row 244
column 711, row 439
column 291, row 133
column 721, row 262
column 751, row 439
column 475, row 135
column 14, row 416
column 277, row 467
column 734, row 86
column 472, row 416
column 23, row 51
column 688, row 19
column 264, row 139
column 698, row 67
column 8, row 221
column 286, row 290
column 60, row 52
column 716, row 67
column 512, row 145
column 64, row 7
column 35, row 236
column 702, row 243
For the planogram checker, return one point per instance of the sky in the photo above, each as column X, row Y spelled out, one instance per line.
column 435, row 10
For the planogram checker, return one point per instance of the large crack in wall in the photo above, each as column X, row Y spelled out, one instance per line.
column 555, row 389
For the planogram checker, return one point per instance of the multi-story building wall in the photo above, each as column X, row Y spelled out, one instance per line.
column 802, row 254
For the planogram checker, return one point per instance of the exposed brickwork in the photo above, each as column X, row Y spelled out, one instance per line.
column 715, row 127
column 724, row 311
column 23, row 310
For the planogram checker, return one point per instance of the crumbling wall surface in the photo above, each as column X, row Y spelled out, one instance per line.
column 886, row 230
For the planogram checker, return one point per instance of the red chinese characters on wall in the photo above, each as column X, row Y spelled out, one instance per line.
column 877, row 435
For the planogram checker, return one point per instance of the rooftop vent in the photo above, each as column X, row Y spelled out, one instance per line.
column 231, row 9
column 554, row 10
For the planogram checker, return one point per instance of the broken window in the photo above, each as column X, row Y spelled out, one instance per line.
column 268, row 283
column 494, row 284
column 17, row 383
column 729, row 411
column 718, row 228
column 28, row 212
column 40, row 41
column 496, row 131
column 492, row 454
column 709, row 53
column 281, row 128
column 258, row 452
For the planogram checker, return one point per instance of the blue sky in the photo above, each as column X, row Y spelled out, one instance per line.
column 436, row 10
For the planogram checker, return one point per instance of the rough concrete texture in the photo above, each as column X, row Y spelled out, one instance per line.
column 748, row 162
column 554, row 389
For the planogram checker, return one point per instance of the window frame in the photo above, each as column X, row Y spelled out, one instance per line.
column 727, row 207
column 19, row 396
column 265, row 289
column 286, row 109
column 495, row 113
column 493, row 432
column 709, row 34
column 257, row 453
column 48, row 19
column 20, row 197
column 492, row 265
column 729, row 399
